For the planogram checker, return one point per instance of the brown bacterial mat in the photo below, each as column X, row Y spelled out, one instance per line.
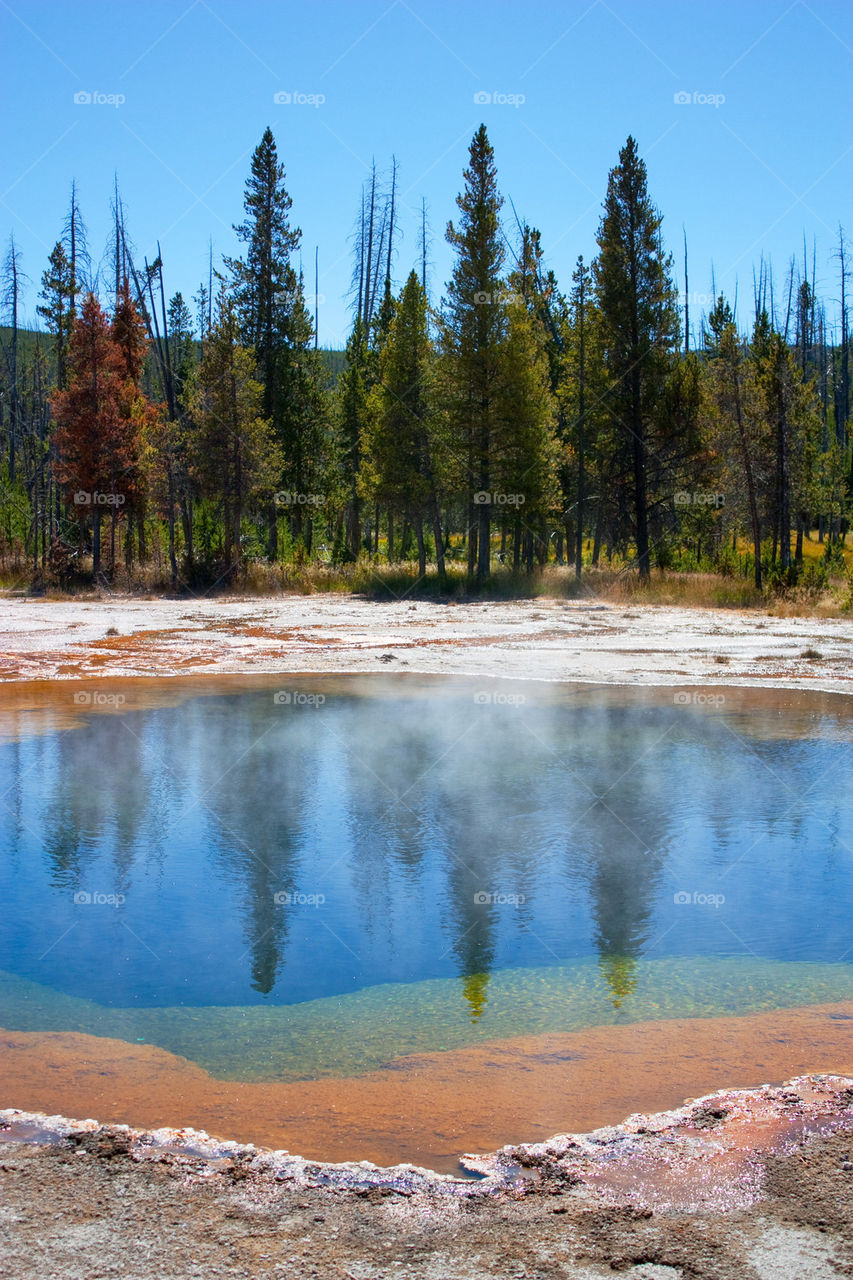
column 428, row 1109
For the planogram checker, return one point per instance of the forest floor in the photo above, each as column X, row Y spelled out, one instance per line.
column 757, row 1186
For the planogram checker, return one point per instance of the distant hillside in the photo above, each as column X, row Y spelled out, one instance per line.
column 334, row 362
column 27, row 340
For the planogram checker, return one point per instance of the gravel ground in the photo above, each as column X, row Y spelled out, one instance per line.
column 746, row 1186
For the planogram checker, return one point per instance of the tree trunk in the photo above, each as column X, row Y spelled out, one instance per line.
column 173, row 563
column 543, row 543
column 528, row 550
column 750, row 480
column 472, row 540
column 187, row 525
column 484, row 528
column 140, row 536
column 227, row 529
column 354, row 531
column 596, row 542
column 419, row 534
column 96, row 542
column 639, row 451
column 439, row 542
column 272, row 539
column 784, row 494
column 581, row 442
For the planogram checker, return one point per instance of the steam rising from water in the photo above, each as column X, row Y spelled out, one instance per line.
column 280, row 851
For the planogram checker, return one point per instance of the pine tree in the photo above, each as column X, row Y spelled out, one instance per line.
column 137, row 412
column 177, row 485
column 537, row 290
column 353, row 411
column 401, row 442
column 267, row 291
column 181, row 347
column 474, row 328
column 636, row 298
column 791, row 419
column 303, row 428
column 96, row 458
column 263, row 279
column 234, row 454
column 524, row 464
column 583, row 350
column 56, row 309
column 128, row 332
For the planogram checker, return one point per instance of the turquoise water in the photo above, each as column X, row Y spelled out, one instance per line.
column 351, row 1034
column 315, row 884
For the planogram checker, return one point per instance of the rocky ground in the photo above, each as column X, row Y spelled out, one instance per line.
column 737, row 1186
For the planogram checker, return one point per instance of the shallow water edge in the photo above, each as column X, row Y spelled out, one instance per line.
column 427, row 1109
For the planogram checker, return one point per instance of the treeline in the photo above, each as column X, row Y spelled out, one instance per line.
column 512, row 421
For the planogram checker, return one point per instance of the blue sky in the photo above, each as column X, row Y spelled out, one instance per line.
column 749, row 174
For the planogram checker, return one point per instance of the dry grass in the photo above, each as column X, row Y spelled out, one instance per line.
column 401, row 581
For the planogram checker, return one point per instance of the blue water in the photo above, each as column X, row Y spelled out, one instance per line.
column 237, row 851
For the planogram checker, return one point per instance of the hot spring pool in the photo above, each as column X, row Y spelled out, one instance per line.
column 314, row 878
